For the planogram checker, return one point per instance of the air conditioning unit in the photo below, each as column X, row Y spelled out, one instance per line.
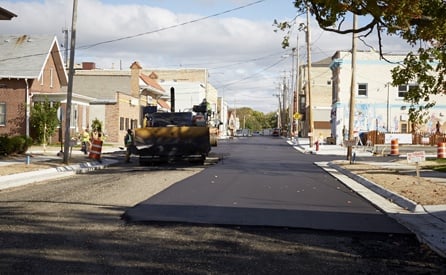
column 133, row 102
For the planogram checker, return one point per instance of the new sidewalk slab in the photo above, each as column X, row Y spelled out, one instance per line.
column 427, row 222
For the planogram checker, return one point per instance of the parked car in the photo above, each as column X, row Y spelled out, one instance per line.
column 276, row 132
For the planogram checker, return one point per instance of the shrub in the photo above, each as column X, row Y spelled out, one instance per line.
column 6, row 146
column 16, row 144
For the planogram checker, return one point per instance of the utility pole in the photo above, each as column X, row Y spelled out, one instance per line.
column 351, row 123
column 284, row 103
column 296, row 86
column 70, row 84
column 308, row 86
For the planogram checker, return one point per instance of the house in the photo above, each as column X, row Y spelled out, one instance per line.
column 378, row 105
column 119, row 96
column 321, row 86
column 6, row 14
column 32, row 70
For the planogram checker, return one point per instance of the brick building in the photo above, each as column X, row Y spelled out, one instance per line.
column 119, row 96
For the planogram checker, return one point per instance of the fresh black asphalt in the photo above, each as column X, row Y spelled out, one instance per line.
column 262, row 181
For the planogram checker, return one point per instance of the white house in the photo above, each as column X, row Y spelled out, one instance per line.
column 378, row 105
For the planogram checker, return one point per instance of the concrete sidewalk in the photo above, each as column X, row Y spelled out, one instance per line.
column 428, row 222
column 78, row 163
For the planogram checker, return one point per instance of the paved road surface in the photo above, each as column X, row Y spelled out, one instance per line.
column 263, row 181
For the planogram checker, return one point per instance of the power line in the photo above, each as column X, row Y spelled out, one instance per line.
column 252, row 75
column 173, row 26
column 149, row 32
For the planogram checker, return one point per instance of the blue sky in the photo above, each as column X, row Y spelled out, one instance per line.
column 265, row 10
column 240, row 49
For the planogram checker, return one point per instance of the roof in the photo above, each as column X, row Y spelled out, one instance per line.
column 152, row 84
column 163, row 104
column 24, row 56
column 6, row 15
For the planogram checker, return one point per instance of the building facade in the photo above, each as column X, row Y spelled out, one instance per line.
column 378, row 105
column 320, row 87
column 31, row 70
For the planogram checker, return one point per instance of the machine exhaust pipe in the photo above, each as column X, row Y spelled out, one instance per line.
column 172, row 99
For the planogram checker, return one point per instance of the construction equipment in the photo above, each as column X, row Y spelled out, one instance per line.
column 170, row 136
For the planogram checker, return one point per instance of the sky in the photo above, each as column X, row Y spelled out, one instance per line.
column 235, row 40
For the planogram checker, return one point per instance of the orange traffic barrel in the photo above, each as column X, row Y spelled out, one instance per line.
column 394, row 147
column 96, row 149
column 441, row 150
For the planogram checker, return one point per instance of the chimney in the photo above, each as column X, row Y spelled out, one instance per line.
column 134, row 79
column 88, row 65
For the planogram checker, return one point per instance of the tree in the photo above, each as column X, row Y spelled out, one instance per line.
column 96, row 125
column 421, row 23
column 44, row 120
column 255, row 120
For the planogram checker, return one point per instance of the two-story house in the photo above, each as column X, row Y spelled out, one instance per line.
column 32, row 70
column 119, row 96
column 378, row 105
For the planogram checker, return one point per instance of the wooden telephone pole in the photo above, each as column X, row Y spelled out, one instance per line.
column 351, row 123
column 308, row 86
column 70, row 84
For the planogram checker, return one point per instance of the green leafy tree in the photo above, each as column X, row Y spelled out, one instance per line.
column 96, row 125
column 255, row 120
column 43, row 120
column 419, row 23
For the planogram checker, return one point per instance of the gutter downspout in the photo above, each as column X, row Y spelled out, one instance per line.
column 27, row 108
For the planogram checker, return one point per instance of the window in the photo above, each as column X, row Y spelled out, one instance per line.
column 404, row 128
column 134, row 124
column 302, row 103
column 121, row 123
column 362, row 89
column 2, row 113
column 51, row 78
column 127, row 123
column 403, row 89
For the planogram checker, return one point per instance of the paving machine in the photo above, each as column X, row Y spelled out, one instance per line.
column 170, row 136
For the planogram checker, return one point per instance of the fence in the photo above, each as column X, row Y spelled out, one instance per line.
column 432, row 139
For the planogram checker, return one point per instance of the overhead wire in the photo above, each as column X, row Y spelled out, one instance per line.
column 149, row 32
column 173, row 26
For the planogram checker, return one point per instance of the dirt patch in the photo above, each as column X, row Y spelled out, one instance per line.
column 18, row 164
column 422, row 190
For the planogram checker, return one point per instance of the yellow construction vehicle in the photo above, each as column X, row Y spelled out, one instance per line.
column 170, row 136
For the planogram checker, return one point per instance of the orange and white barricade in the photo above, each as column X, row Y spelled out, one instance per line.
column 394, row 147
column 95, row 149
column 441, row 150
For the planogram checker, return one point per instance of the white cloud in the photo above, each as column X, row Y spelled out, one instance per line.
column 235, row 50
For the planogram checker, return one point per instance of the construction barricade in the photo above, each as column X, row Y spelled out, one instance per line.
column 394, row 147
column 95, row 149
column 441, row 150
